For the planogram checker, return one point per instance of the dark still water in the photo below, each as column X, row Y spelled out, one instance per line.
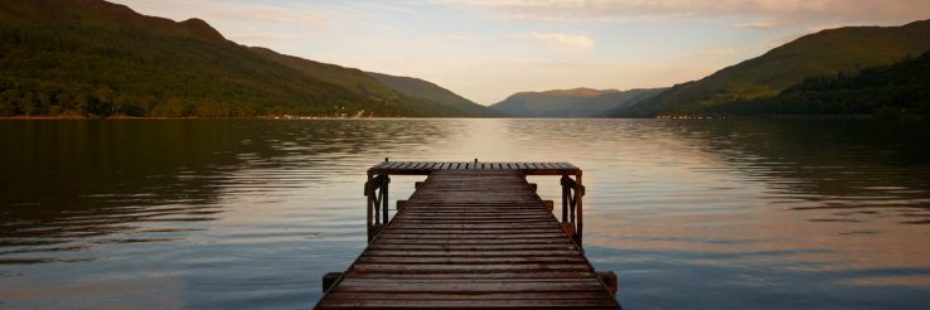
column 789, row 214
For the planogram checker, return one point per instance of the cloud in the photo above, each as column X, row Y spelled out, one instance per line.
column 257, row 23
column 757, row 25
column 634, row 10
column 559, row 39
column 715, row 52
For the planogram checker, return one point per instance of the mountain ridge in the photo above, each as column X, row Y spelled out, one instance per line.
column 572, row 102
column 898, row 90
column 824, row 53
column 96, row 58
column 428, row 90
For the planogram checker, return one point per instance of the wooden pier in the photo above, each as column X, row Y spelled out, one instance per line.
column 473, row 235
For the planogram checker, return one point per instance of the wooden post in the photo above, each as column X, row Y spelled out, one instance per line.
column 330, row 279
column 384, row 199
column 610, row 279
column 579, row 191
column 565, row 193
column 368, row 196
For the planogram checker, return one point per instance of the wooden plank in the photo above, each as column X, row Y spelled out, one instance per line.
column 391, row 234
column 472, row 226
column 466, row 260
column 471, row 247
column 481, row 296
column 517, row 253
column 587, row 303
column 426, row 167
column 469, row 286
column 546, row 274
column 401, row 241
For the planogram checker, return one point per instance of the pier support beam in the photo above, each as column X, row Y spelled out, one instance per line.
column 610, row 279
column 330, row 279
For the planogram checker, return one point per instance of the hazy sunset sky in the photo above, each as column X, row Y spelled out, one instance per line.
column 486, row 50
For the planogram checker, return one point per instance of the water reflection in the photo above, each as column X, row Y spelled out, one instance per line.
column 70, row 185
column 856, row 168
column 248, row 213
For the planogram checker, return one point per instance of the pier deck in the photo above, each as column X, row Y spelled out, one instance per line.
column 471, row 236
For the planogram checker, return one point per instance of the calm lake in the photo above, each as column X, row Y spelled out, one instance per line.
column 722, row 214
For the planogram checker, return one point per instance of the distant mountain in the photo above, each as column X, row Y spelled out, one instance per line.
column 899, row 89
column 92, row 57
column 424, row 89
column 578, row 102
column 826, row 53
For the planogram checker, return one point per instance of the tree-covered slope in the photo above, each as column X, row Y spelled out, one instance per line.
column 530, row 104
column 826, row 53
column 898, row 89
column 578, row 102
column 95, row 58
column 377, row 89
column 424, row 89
column 601, row 105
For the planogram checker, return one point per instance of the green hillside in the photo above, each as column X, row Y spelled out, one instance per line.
column 430, row 98
column 826, row 53
column 424, row 89
column 899, row 89
column 532, row 104
column 600, row 105
column 578, row 102
column 95, row 58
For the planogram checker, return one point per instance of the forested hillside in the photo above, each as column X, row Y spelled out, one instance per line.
column 899, row 89
column 827, row 53
column 95, row 58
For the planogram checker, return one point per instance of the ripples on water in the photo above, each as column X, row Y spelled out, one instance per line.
column 248, row 213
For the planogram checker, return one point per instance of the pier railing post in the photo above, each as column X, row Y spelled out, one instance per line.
column 384, row 199
column 565, row 193
column 370, row 208
column 572, row 193
column 376, row 191
column 579, row 195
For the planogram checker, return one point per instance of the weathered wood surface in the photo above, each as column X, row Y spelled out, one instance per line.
column 471, row 238
column 427, row 167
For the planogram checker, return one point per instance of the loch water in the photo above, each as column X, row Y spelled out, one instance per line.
column 691, row 214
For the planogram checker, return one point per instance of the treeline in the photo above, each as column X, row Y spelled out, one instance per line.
column 94, row 72
column 68, row 59
column 899, row 89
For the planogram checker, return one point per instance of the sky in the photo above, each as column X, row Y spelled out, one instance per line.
column 486, row 50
